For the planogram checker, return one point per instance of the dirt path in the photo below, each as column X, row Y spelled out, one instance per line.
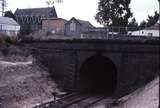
column 6, row 63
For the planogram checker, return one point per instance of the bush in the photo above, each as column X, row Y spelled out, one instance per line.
column 4, row 39
column 5, row 50
column 6, row 42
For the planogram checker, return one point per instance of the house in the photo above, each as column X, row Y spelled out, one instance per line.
column 75, row 27
column 54, row 25
column 31, row 19
column 151, row 31
column 9, row 26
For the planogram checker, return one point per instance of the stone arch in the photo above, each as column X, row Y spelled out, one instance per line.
column 98, row 74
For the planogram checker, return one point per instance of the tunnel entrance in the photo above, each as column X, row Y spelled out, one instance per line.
column 98, row 74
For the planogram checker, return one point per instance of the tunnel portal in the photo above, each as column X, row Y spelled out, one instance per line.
column 98, row 74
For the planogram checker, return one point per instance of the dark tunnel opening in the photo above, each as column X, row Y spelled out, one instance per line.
column 98, row 74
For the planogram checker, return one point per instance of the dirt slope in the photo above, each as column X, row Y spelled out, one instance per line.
column 145, row 97
column 23, row 84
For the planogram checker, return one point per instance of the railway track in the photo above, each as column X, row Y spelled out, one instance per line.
column 77, row 100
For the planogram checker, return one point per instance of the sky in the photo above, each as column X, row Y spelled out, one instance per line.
column 86, row 9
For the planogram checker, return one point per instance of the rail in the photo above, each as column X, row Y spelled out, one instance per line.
column 132, row 31
column 76, row 99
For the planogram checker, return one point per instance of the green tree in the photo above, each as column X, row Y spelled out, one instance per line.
column 113, row 12
column 143, row 24
column 9, row 14
column 151, row 20
column 133, row 25
column 26, row 29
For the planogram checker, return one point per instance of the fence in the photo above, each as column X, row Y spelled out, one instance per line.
column 130, row 31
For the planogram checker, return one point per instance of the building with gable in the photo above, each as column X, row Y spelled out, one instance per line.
column 31, row 19
column 153, row 31
column 9, row 26
column 75, row 27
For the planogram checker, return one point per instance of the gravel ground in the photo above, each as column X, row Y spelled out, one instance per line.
column 23, row 84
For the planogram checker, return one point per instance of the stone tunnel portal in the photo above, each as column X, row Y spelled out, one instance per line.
column 98, row 74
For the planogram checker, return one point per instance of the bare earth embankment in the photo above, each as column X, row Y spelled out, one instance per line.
column 145, row 97
column 22, row 83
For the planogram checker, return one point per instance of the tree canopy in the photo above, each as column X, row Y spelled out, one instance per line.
column 9, row 14
column 113, row 12
column 133, row 25
column 151, row 20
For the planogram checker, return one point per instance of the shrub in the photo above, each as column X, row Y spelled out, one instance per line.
column 4, row 39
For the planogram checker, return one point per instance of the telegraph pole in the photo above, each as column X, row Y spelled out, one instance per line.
column 3, row 5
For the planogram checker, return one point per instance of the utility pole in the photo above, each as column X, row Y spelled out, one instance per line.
column 3, row 5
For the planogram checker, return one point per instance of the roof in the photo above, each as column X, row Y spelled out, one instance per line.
column 154, row 27
column 85, row 24
column 54, row 19
column 8, row 21
column 37, row 12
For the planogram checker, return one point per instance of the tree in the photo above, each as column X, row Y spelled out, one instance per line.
column 151, row 20
column 51, row 2
column 26, row 30
column 113, row 12
column 133, row 25
column 9, row 14
column 143, row 24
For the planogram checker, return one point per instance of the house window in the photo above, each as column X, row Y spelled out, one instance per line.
column 73, row 26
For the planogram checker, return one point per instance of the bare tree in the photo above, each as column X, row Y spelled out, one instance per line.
column 51, row 2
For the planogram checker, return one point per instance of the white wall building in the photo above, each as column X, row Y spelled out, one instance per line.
column 151, row 31
column 9, row 26
column 154, row 33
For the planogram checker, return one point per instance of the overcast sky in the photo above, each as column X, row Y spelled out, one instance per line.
column 86, row 9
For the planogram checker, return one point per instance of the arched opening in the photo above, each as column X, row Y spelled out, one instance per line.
column 98, row 74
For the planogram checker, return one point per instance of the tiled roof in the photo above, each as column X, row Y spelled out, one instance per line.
column 54, row 19
column 85, row 23
column 8, row 21
column 37, row 12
